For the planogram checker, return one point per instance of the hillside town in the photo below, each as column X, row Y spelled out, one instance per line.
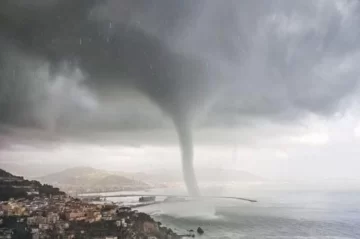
column 66, row 217
column 32, row 213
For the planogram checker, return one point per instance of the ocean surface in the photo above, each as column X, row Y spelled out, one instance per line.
column 277, row 214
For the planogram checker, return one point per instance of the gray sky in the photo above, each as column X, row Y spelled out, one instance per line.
column 275, row 80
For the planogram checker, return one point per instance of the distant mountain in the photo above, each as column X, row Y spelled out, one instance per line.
column 90, row 180
column 226, row 175
column 203, row 175
column 17, row 187
column 29, row 169
column 70, row 174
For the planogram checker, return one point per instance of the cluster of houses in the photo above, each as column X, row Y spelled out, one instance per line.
column 62, row 216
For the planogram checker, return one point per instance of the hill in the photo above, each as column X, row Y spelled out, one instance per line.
column 227, row 175
column 5, row 174
column 87, row 179
column 17, row 187
column 204, row 175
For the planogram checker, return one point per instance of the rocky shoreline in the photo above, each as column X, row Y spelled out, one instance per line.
column 160, row 231
column 142, row 225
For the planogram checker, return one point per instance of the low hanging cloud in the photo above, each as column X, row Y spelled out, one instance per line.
column 255, row 59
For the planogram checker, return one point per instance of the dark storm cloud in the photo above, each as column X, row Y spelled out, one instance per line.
column 264, row 59
column 112, row 54
column 276, row 57
column 302, row 58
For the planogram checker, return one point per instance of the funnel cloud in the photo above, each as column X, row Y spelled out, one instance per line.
column 276, row 60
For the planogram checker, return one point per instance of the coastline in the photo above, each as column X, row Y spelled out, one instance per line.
column 136, row 217
column 29, row 209
column 142, row 225
column 63, row 216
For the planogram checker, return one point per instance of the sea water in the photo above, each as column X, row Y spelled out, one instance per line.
column 277, row 214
